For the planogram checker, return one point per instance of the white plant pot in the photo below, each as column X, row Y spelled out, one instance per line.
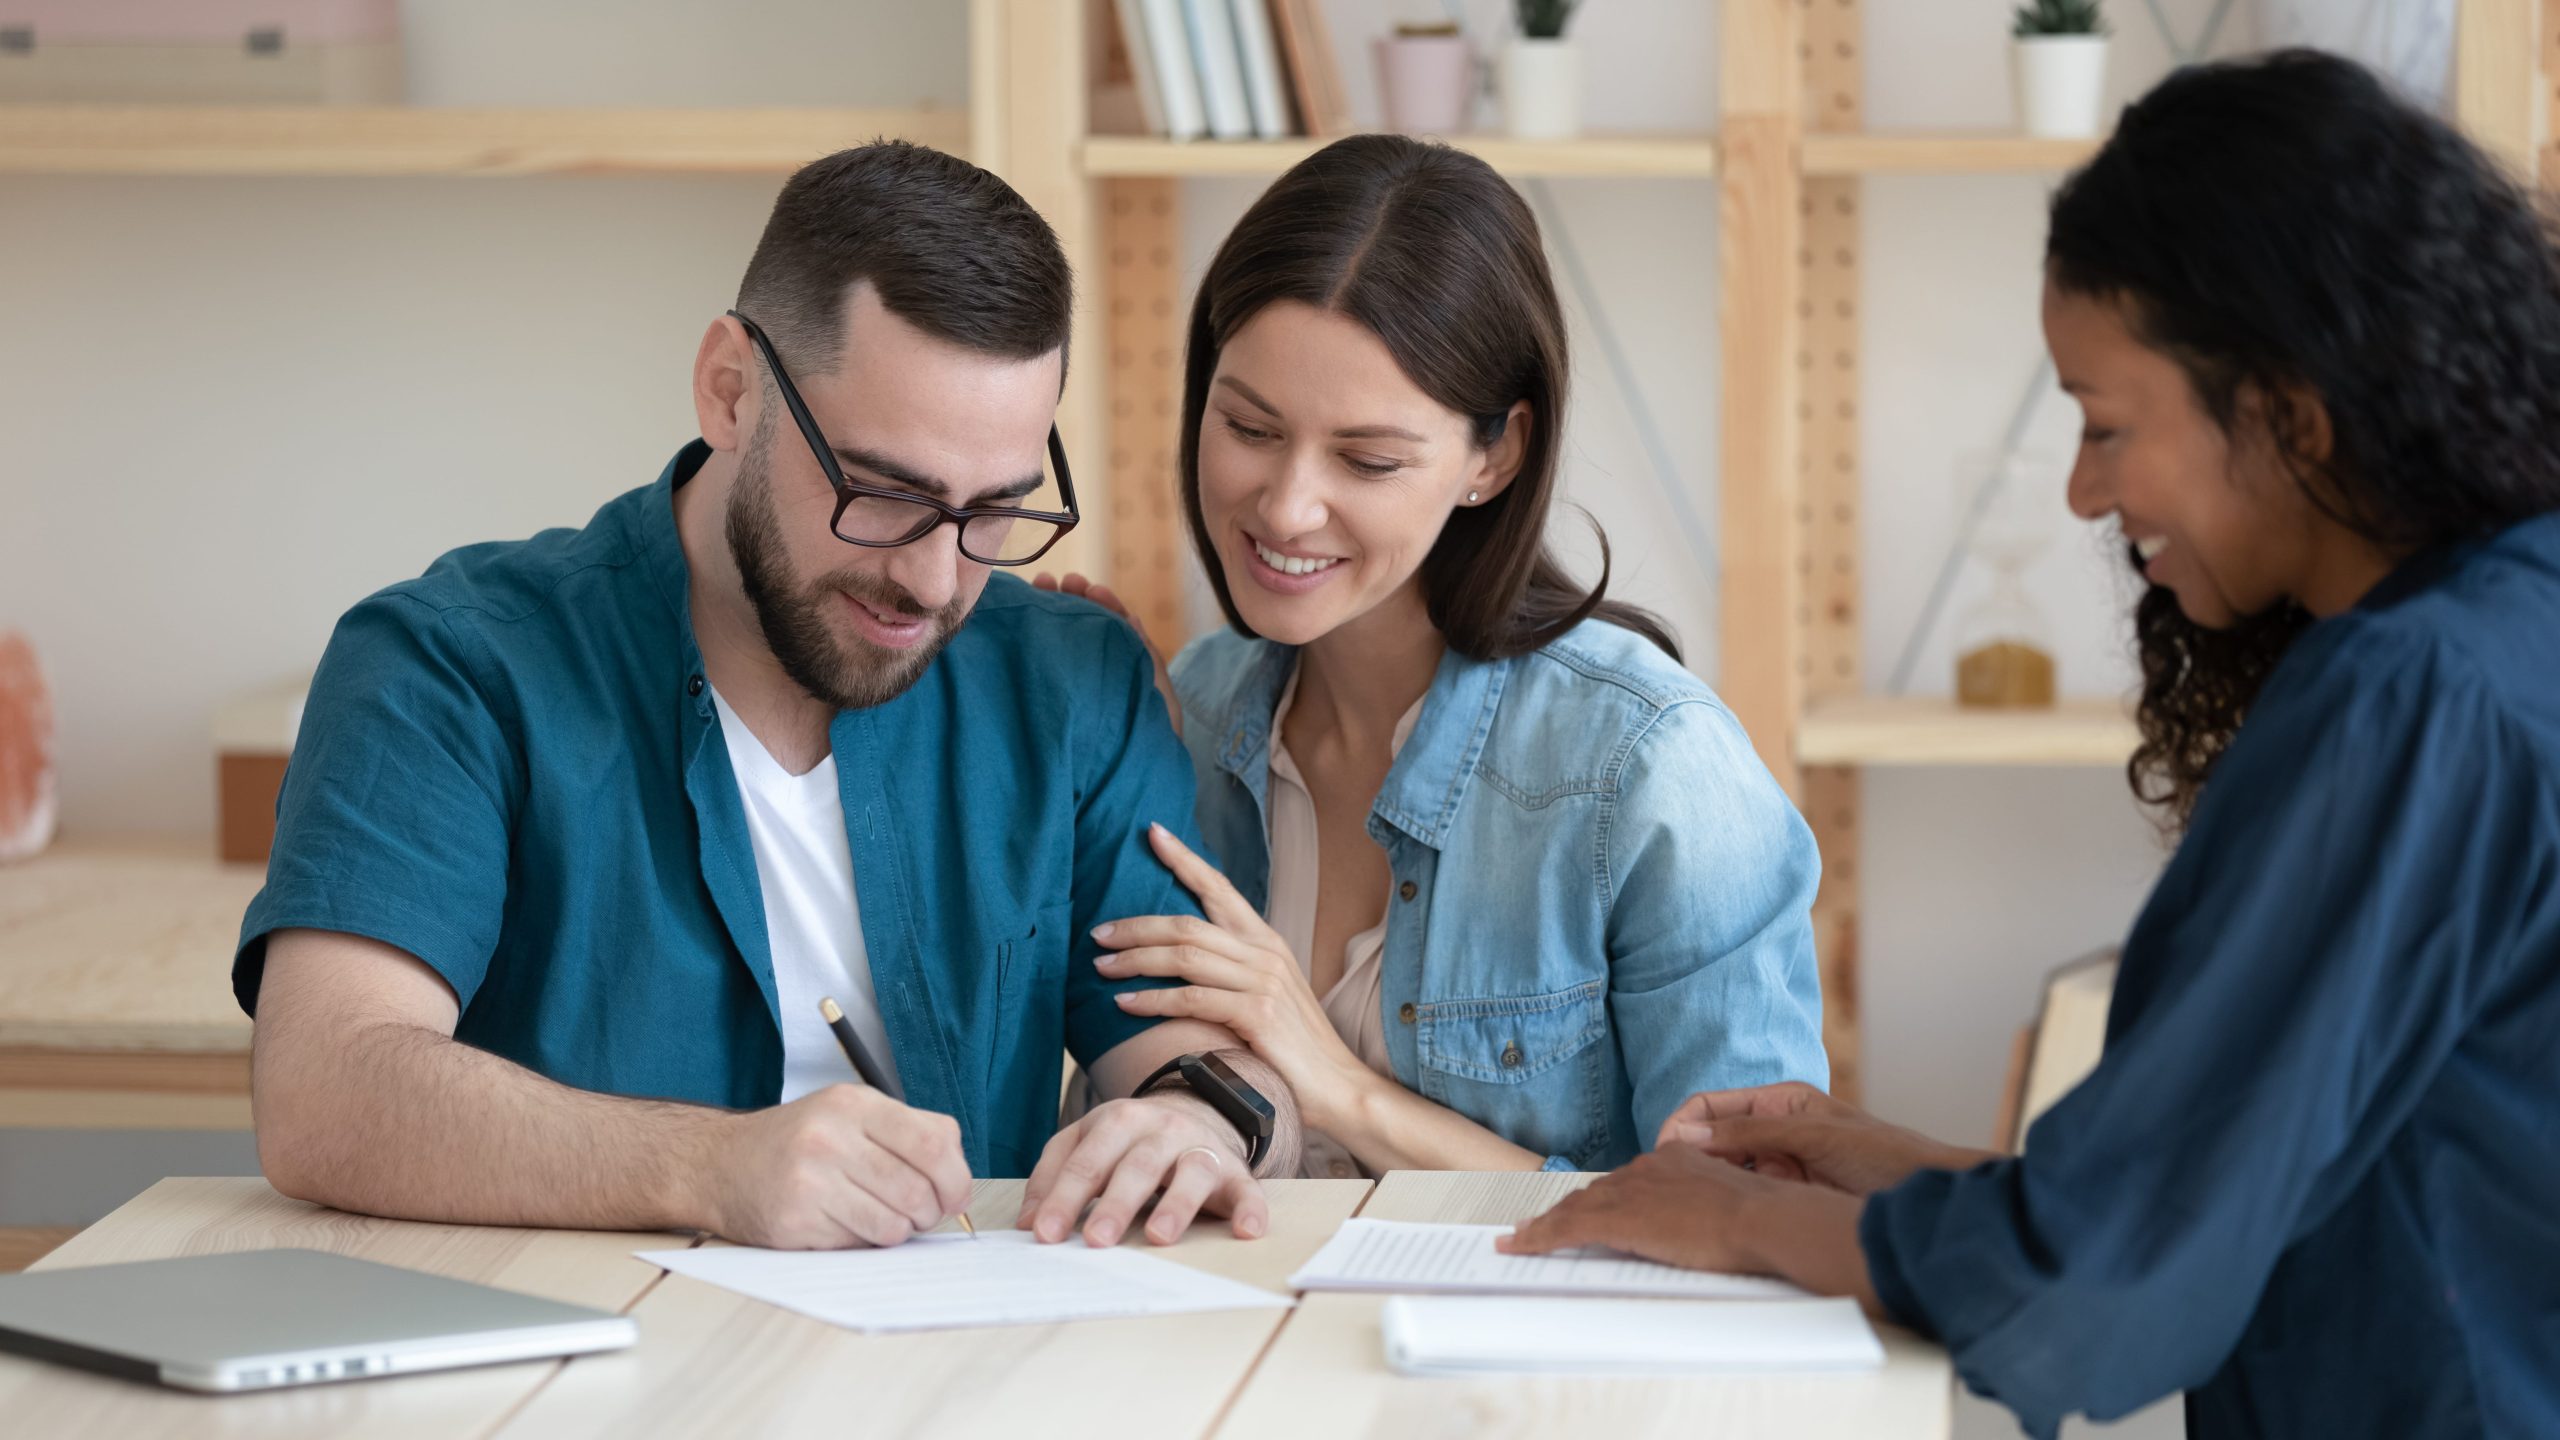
column 2061, row 83
column 1542, row 89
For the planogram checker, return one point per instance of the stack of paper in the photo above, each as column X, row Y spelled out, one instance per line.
column 1625, row 1337
column 947, row 1282
column 1460, row 1260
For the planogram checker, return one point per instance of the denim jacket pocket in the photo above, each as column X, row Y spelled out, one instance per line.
column 1529, row 1067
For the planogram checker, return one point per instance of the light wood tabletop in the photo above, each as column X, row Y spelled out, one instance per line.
column 710, row 1361
column 1327, row 1375
column 214, row 1216
column 115, row 986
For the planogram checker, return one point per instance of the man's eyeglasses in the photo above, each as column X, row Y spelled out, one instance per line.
column 885, row 519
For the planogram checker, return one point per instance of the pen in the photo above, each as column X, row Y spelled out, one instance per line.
column 866, row 1067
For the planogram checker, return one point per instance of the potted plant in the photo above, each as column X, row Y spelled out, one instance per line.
column 2059, row 54
column 1542, row 73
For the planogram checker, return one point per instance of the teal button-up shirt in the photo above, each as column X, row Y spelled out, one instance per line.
column 510, row 767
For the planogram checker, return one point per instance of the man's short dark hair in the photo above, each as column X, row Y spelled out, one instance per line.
column 951, row 249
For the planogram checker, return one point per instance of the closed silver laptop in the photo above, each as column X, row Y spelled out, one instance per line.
column 261, row 1319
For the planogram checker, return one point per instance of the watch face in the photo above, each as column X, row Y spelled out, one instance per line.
column 1235, row 1085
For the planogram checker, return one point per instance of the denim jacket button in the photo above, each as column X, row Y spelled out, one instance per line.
column 693, row 686
column 1405, row 890
column 1404, row 1012
column 1511, row 1056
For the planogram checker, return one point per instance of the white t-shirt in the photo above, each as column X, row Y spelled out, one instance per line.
column 813, row 924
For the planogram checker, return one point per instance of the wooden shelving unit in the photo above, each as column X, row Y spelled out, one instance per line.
column 422, row 140
column 1945, row 153
column 1788, row 161
column 1863, row 730
column 1616, row 156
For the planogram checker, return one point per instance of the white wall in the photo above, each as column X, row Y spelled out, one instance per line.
column 234, row 406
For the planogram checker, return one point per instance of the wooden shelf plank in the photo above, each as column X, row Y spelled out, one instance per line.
column 1941, row 153
column 121, row 945
column 424, row 140
column 1880, row 730
column 1679, row 156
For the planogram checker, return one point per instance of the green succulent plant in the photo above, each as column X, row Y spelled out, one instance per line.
column 1544, row 19
column 2054, row 17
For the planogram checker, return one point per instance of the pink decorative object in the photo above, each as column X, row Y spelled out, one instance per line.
column 26, row 751
column 1427, row 83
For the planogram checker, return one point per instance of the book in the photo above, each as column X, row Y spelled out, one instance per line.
column 1221, row 67
column 1412, row 1257
column 1324, row 108
column 1426, row 1336
column 1142, row 64
column 1177, row 79
column 1264, row 90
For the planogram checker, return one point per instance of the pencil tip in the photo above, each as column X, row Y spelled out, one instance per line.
column 828, row 1008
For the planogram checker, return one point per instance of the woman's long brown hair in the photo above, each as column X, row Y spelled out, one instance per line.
column 1440, row 258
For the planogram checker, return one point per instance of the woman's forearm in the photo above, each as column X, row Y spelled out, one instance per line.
column 1809, row 1235
column 1391, row 1128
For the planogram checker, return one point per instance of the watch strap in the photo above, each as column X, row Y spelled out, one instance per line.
column 1179, row 1069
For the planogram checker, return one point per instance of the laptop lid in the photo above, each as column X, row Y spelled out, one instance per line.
column 259, row 1319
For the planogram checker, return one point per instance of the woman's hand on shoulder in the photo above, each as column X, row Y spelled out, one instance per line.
column 1109, row 599
column 1794, row 1131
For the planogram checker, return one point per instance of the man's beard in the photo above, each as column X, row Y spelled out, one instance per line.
column 850, row 674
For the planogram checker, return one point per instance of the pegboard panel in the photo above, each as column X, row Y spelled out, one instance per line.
column 1831, row 805
column 1829, row 656
column 1142, row 262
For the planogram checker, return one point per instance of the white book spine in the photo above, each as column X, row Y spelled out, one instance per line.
column 1213, row 52
column 1262, row 83
column 1176, row 76
column 1142, row 64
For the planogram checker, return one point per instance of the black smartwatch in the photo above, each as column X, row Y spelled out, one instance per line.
column 1213, row 1080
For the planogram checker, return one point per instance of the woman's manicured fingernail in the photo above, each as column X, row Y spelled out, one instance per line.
column 1102, row 932
column 1125, row 996
column 1252, row 1226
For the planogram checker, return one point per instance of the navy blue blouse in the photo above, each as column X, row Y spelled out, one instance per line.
column 2315, row 1180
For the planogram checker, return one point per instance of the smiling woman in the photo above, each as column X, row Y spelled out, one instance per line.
column 2312, row 1181
column 1503, row 882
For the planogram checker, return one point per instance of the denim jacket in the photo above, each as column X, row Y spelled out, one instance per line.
column 1602, row 900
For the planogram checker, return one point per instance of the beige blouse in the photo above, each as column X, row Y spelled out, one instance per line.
column 1352, row 1003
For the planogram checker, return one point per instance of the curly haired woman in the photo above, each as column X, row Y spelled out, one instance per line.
column 2314, row 1182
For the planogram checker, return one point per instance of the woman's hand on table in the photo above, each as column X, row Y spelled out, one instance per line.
column 1241, row 975
column 1794, row 1131
column 1681, row 1207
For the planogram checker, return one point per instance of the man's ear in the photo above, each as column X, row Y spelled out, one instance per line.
column 1499, row 463
column 725, row 392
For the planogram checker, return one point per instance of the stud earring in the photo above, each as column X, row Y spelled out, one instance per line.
column 1471, row 497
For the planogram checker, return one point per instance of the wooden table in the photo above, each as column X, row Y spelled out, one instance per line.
column 204, row 1217
column 709, row 1360
column 115, row 987
column 1328, row 1374
column 712, row 1362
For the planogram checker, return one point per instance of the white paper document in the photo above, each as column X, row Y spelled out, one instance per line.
column 946, row 1282
column 1423, row 1259
column 1472, row 1336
